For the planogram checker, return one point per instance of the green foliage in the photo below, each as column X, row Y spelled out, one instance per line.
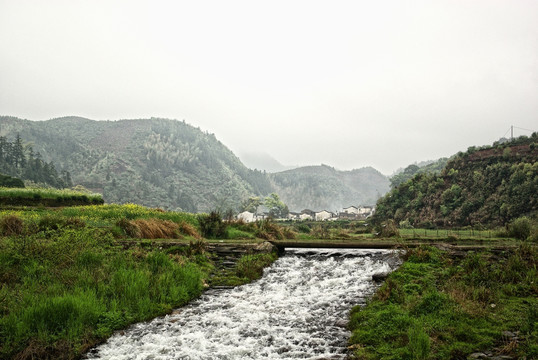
column 419, row 342
column 433, row 167
column 21, row 162
column 479, row 187
column 10, row 182
column 438, row 307
column 387, row 229
column 212, row 226
column 251, row 204
column 277, row 209
column 152, row 162
column 303, row 228
column 11, row 225
column 323, row 187
column 520, row 228
column 248, row 268
column 65, row 288
column 47, row 197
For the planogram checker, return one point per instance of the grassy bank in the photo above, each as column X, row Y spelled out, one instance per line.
column 46, row 197
column 438, row 306
column 67, row 282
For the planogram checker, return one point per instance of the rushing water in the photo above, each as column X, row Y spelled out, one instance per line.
column 297, row 310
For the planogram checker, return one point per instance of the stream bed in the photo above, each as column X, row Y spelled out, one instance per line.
column 297, row 310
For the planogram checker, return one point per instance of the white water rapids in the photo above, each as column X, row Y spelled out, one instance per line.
column 297, row 310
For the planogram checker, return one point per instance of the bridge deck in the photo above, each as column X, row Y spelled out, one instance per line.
column 387, row 244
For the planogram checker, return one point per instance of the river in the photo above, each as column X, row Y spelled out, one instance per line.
column 297, row 310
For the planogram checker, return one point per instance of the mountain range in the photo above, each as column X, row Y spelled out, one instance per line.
column 173, row 165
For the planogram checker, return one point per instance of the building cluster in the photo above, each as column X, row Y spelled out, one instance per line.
column 349, row 213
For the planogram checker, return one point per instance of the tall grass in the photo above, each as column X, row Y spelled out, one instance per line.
column 63, row 292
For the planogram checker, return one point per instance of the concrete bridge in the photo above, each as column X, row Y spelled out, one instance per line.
column 463, row 245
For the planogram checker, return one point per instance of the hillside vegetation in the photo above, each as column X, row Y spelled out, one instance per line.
column 489, row 186
column 19, row 161
column 324, row 187
column 153, row 162
column 175, row 166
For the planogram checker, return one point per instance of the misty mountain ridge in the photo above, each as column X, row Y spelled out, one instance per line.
column 173, row 165
column 263, row 161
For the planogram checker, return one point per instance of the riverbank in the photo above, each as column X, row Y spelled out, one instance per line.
column 68, row 281
column 441, row 305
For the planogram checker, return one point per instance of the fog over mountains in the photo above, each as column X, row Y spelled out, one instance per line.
column 171, row 164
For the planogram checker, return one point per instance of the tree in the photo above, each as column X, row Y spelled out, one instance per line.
column 251, row 204
column 277, row 209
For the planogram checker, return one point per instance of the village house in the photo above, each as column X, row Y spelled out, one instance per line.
column 351, row 210
column 356, row 212
column 307, row 214
column 294, row 216
column 324, row 215
column 246, row 216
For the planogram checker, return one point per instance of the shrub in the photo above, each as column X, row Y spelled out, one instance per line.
column 520, row 228
column 303, row 228
column 388, row 229
column 212, row 226
column 198, row 246
column 11, row 225
column 321, row 232
column 268, row 230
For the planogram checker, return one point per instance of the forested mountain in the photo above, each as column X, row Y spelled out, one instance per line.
column 489, row 186
column 154, row 162
column 324, row 187
column 173, row 165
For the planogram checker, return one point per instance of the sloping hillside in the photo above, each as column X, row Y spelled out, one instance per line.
column 170, row 164
column 323, row 187
column 488, row 186
column 153, row 162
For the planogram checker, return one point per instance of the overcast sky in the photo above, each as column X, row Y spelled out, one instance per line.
column 344, row 83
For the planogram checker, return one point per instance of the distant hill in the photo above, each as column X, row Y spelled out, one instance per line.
column 173, row 165
column 262, row 161
column 154, row 162
column 324, row 187
column 490, row 185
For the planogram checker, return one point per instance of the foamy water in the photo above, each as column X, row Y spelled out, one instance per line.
column 297, row 310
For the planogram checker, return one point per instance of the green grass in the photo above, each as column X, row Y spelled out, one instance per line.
column 248, row 268
column 46, row 197
column 68, row 281
column 65, row 290
column 438, row 307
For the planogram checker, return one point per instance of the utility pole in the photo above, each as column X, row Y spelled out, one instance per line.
column 512, row 133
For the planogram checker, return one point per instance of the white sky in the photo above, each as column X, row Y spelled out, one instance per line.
column 344, row 83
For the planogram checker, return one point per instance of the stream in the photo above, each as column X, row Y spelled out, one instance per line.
column 297, row 310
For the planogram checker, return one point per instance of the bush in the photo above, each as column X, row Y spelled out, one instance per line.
column 303, row 228
column 388, row 229
column 10, row 182
column 520, row 228
column 212, row 226
column 405, row 224
column 11, row 225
